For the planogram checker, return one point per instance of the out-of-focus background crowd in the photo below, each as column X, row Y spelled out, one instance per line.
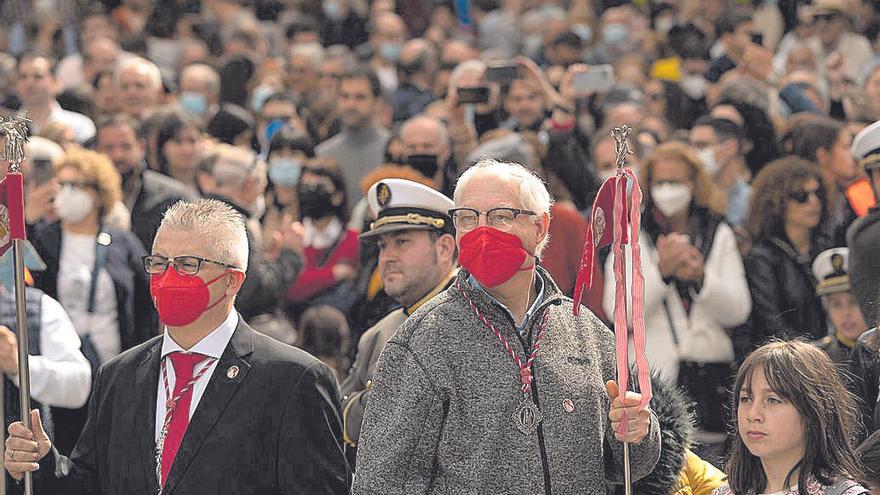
column 743, row 112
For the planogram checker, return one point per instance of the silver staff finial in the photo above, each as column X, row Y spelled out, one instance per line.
column 621, row 144
column 16, row 134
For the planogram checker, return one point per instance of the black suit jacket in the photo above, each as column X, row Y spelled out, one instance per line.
column 275, row 428
column 158, row 192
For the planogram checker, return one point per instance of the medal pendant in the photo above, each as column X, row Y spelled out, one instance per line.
column 527, row 416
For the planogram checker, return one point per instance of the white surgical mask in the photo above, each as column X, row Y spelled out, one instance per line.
column 710, row 164
column 607, row 174
column 694, row 86
column 670, row 198
column 73, row 204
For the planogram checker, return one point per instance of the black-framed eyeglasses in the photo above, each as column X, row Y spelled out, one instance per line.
column 502, row 218
column 185, row 265
column 804, row 196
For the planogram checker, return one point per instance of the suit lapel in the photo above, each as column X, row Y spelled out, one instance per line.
column 147, row 381
column 214, row 401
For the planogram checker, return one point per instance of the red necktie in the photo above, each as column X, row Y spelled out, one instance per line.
column 183, row 387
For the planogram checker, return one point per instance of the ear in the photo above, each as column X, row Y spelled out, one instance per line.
column 206, row 182
column 543, row 224
column 822, row 156
column 234, row 280
column 445, row 247
column 337, row 198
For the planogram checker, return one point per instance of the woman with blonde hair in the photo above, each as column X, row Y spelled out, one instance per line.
column 695, row 286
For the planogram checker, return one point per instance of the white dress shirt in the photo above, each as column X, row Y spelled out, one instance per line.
column 212, row 345
column 60, row 375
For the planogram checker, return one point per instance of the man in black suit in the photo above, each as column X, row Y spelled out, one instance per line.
column 211, row 406
column 147, row 194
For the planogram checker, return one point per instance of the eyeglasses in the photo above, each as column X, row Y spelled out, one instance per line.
column 502, row 218
column 185, row 265
column 804, row 196
column 655, row 96
column 78, row 184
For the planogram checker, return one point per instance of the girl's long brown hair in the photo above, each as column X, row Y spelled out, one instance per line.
column 805, row 376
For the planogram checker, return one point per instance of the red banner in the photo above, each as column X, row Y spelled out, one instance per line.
column 11, row 211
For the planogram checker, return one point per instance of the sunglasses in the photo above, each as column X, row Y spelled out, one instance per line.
column 804, row 196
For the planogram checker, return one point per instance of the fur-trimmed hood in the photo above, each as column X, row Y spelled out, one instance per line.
column 675, row 413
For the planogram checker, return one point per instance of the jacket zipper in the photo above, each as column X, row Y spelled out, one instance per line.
column 545, row 466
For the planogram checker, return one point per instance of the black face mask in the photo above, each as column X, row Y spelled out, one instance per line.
column 425, row 164
column 315, row 201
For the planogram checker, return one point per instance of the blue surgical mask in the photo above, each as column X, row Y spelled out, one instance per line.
column 615, row 33
column 390, row 51
column 193, row 103
column 272, row 129
column 584, row 32
column 285, row 171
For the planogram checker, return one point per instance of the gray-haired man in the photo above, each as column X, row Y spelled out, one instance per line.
column 493, row 386
column 210, row 406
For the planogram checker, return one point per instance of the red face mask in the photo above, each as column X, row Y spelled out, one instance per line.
column 492, row 256
column 181, row 299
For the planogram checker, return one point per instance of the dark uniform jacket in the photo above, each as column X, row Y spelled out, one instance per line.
column 865, row 369
column 863, row 238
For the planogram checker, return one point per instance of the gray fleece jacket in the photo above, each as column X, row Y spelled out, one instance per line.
column 439, row 419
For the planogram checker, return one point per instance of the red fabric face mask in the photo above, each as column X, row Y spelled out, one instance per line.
column 492, row 256
column 181, row 299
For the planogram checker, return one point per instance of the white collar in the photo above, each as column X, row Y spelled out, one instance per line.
column 321, row 239
column 211, row 345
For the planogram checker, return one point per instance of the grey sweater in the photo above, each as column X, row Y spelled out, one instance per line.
column 439, row 419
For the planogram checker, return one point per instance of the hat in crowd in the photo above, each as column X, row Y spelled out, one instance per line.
column 821, row 7
column 831, row 269
column 866, row 146
column 40, row 148
column 400, row 204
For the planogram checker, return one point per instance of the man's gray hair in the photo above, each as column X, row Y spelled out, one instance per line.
column 142, row 66
column 205, row 72
column 218, row 225
column 533, row 193
column 232, row 165
column 313, row 51
column 473, row 65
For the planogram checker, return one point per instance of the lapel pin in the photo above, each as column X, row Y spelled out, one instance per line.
column 568, row 405
column 232, row 372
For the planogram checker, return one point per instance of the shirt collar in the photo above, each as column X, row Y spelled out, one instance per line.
column 520, row 327
column 211, row 345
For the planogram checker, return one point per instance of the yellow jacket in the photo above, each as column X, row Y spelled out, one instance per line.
column 697, row 477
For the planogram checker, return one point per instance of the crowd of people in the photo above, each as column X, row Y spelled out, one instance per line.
column 415, row 181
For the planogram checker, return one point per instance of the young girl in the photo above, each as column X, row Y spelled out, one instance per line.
column 793, row 420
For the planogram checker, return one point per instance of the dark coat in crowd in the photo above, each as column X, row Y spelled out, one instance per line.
column 863, row 238
column 783, row 290
column 865, row 369
column 157, row 193
column 273, row 428
column 263, row 288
